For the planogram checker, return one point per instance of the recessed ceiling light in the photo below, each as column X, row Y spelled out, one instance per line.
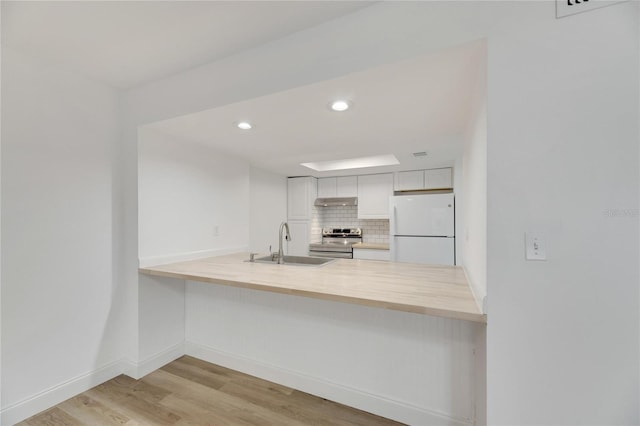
column 340, row 105
column 353, row 163
column 244, row 125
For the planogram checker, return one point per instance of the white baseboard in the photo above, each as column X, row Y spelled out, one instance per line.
column 192, row 255
column 137, row 370
column 376, row 404
column 48, row 398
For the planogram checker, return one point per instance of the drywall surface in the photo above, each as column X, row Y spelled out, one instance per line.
column 472, row 238
column 0, row 224
column 192, row 200
column 59, row 322
column 161, row 324
column 267, row 209
column 563, row 160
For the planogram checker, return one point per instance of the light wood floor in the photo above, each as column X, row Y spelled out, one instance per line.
column 189, row 391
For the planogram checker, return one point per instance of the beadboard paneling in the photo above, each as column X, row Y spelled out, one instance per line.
column 405, row 359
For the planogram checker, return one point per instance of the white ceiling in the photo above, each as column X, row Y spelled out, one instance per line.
column 128, row 43
column 417, row 105
column 421, row 104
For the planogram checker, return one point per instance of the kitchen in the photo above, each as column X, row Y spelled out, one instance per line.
column 193, row 196
column 439, row 95
column 131, row 323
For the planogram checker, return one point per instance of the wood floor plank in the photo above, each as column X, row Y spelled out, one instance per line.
column 303, row 407
column 221, row 402
column 123, row 386
column 212, row 368
column 199, row 413
column 53, row 417
column 196, row 374
column 216, row 377
column 261, row 385
column 137, row 400
column 192, row 392
column 89, row 411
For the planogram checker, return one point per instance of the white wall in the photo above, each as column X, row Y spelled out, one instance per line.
column 185, row 191
column 161, row 325
column 59, row 325
column 472, row 238
column 563, row 159
column 0, row 224
column 460, row 199
column 267, row 209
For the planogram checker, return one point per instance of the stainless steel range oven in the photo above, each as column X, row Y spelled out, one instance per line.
column 336, row 242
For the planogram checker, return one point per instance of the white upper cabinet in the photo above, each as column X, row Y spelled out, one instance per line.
column 347, row 186
column 344, row 186
column 423, row 179
column 406, row 181
column 438, row 179
column 373, row 196
column 327, row 187
column 301, row 193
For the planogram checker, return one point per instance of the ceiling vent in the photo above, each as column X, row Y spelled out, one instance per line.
column 420, row 154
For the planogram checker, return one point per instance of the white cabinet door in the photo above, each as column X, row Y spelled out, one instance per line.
column 438, row 179
column 301, row 193
column 373, row 196
column 371, row 254
column 347, row 186
column 299, row 244
column 407, row 181
column 344, row 186
column 327, row 187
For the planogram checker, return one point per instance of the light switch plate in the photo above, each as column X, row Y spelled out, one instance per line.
column 535, row 246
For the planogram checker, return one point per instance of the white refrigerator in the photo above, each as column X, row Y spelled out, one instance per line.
column 422, row 229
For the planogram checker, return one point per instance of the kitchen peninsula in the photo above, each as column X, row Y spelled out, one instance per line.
column 424, row 289
column 399, row 340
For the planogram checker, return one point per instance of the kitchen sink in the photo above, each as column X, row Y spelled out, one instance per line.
column 296, row 260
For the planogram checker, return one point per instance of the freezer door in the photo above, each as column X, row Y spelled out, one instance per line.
column 425, row 214
column 427, row 250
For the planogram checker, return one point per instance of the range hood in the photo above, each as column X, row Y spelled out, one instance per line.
column 336, row 201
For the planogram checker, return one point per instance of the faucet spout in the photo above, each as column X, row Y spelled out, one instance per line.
column 283, row 226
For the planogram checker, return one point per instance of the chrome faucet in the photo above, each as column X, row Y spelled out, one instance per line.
column 283, row 225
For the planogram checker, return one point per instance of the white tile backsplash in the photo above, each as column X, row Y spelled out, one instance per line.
column 373, row 230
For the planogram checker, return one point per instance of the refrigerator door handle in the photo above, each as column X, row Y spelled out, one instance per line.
column 395, row 220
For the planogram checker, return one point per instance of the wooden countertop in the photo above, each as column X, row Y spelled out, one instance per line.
column 371, row 246
column 424, row 289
